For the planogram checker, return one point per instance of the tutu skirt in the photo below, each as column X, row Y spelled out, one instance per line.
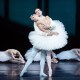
column 67, row 55
column 53, row 42
column 31, row 52
column 4, row 56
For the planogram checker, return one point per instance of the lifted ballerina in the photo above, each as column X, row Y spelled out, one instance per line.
column 48, row 35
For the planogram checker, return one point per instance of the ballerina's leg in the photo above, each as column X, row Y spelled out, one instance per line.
column 48, row 57
column 29, row 61
column 42, row 63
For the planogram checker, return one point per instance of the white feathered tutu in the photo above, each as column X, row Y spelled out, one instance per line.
column 67, row 55
column 43, row 42
column 31, row 52
column 4, row 56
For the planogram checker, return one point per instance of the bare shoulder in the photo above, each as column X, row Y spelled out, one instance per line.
column 47, row 17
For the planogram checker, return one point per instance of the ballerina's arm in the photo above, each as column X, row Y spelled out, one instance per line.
column 48, row 32
column 47, row 21
column 40, row 26
column 77, row 52
column 11, row 52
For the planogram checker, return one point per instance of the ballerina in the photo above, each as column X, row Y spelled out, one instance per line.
column 48, row 35
column 32, row 54
column 73, row 54
column 11, row 55
column 53, row 34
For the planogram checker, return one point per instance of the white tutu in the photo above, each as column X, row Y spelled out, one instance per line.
column 39, row 41
column 69, row 54
column 31, row 52
column 4, row 56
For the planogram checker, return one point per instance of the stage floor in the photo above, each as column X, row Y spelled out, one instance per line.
column 64, row 70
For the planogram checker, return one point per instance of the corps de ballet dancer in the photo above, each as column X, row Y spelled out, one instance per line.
column 11, row 55
column 48, row 35
column 73, row 54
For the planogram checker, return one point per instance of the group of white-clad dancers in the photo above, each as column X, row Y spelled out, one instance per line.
column 48, row 35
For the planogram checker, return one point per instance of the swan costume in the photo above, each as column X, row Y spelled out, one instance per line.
column 4, row 56
column 67, row 55
column 41, row 41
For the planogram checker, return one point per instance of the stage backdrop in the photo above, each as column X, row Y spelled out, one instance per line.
column 2, row 8
column 20, row 11
column 63, row 10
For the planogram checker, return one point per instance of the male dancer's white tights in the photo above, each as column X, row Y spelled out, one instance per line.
column 29, row 61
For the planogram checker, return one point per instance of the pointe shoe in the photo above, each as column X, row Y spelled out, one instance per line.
column 50, row 73
column 43, row 75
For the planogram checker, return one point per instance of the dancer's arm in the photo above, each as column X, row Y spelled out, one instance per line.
column 77, row 52
column 11, row 53
column 20, row 56
column 40, row 26
column 52, row 33
column 13, row 57
column 21, row 59
column 47, row 21
column 49, row 32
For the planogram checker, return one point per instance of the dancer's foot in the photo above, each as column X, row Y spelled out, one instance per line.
column 50, row 78
column 50, row 73
column 43, row 74
column 54, row 60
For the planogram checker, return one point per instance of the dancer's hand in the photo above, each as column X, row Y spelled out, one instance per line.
column 55, row 33
column 49, row 34
column 52, row 33
column 76, row 51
